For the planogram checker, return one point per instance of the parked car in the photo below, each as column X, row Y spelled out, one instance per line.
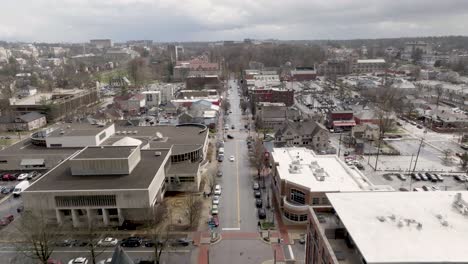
column 415, row 176
column 233, row 127
column 460, row 178
column 257, row 194
column 184, row 242
column 8, row 189
column 214, row 209
column 401, row 176
column 426, row 188
column 403, row 189
column 131, row 242
column 217, row 190
column 226, row 127
column 108, row 242
column 439, row 177
column 435, row 188
column 256, row 186
column 79, row 260
column 22, row 176
column 105, row 261
column 220, row 158
column 33, row 175
column 261, row 213
column 150, row 243
column 8, row 177
column 6, row 220
column 258, row 203
column 230, row 136
column 430, row 177
column 423, row 177
column 219, row 173
column 419, row 126
column 53, row 261
column 216, row 200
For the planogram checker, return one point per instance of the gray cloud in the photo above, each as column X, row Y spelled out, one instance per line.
column 169, row 20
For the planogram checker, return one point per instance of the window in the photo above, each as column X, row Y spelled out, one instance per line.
column 297, row 196
column 3, row 161
column 55, row 145
column 102, row 135
column 113, row 211
column 324, row 200
column 315, row 200
column 85, row 201
column 186, row 179
column 303, row 217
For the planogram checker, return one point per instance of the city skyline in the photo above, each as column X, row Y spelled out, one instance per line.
column 165, row 21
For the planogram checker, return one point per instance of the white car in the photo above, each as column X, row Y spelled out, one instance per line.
column 231, row 158
column 108, row 242
column 79, row 260
column 214, row 210
column 217, row 190
column 22, row 176
column 215, row 200
column 105, row 261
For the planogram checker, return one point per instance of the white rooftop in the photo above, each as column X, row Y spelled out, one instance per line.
column 384, row 225
column 371, row 61
column 303, row 167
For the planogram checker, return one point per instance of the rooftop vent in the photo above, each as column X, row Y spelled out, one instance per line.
column 157, row 153
column 294, row 168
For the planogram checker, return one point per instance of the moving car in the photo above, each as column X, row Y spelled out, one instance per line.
column 108, row 242
column 79, row 260
column 261, row 213
column 20, row 187
column 217, row 190
column 231, row 158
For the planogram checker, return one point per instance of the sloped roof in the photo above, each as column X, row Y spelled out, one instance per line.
column 301, row 128
column 30, row 116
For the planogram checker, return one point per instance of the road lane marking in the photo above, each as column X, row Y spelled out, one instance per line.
column 25, row 146
column 238, row 194
column 231, row 228
column 290, row 252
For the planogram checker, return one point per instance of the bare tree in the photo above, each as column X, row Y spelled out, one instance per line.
column 226, row 105
column 91, row 242
column 158, row 229
column 192, row 206
column 138, row 70
column 464, row 160
column 210, row 181
column 258, row 155
column 40, row 238
column 447, row 155
column 244, row 105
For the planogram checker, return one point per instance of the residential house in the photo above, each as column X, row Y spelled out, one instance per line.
column 367, row 131
column 303, row 133
column 274, row 115
column 130, row 103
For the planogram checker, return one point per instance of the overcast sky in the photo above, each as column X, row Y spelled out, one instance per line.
column 208, row 20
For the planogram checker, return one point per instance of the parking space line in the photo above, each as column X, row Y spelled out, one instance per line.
column 290, row 252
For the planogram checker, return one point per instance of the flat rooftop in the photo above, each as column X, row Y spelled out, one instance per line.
column 114, row 152
column 38, row 98
column 78, row 129
column 384, row 225
column 61, row 179
column 303, row 167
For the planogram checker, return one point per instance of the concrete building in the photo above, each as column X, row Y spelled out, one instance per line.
column 60, row 103
column 101, row 186
column 101, row 43
column 369, row 66
column 152, row 98
column 389, row 227
column 302, row 179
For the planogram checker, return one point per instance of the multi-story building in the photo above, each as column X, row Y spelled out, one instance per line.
column 369, row 66
column 101, row 186
column 338, row 66
column 303, row 74
column 101, row 43
column 272, row 95
column 58, row 104
column 274, row 115
column 302, row 179
column 389, row 227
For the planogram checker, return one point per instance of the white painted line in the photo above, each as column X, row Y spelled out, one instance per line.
column 25, row 146
column 231, row 228
column 290, row 252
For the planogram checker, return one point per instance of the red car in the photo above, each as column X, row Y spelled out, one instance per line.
column 8, row 177
column 6, row 220
column 216, row 220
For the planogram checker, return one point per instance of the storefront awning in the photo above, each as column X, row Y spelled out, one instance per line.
column 344, row 123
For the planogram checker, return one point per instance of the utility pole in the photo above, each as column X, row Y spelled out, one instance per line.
column 409, row 170
column 378, row 152
column 419, row 150
column 339, row 144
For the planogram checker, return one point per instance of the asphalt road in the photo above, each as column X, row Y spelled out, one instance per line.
column 10, row 254
column 237, row 205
